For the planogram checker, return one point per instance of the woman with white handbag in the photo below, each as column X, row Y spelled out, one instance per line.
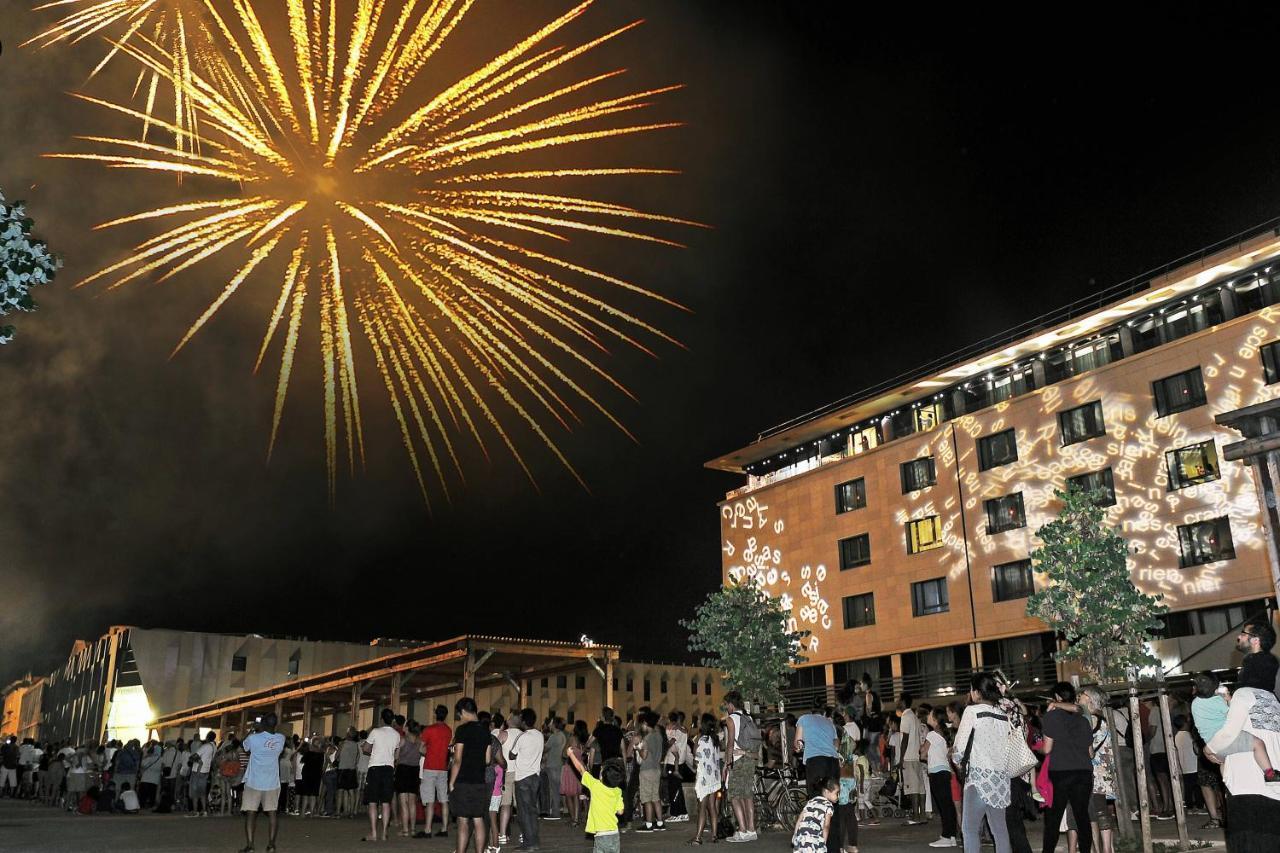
column 981, row 751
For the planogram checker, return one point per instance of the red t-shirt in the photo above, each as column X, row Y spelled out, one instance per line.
column 435, row 746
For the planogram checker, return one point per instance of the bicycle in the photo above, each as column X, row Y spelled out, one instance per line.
column 780, row 797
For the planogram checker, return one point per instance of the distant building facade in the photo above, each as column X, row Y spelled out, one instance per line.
column 111, row 687
column 896, row 525
column 22, row 699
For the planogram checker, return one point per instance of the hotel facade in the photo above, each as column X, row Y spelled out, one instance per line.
column 896, row 525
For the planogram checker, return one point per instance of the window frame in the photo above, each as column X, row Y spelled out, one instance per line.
column 1099, row 429
column 913, row 543
column 909, row 485
column 1186, row 533
column 841, row 548
column 918, row 592
column 860, row 495
column 242, row 660
column 992, row 509
column 1270, row 354
column 1107, row 475
column 1028, row 588
column 1173, row 465
column 1195, row 380
column 868, row 610
column 986, row 442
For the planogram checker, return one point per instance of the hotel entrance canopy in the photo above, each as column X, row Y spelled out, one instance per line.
column 459, row 665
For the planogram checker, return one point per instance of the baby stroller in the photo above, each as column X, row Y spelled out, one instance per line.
column 885, row 794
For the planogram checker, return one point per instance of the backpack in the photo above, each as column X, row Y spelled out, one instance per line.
column 229, row 768
column 748, row 736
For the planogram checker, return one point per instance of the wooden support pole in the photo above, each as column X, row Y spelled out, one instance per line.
column 469, row 675
column 355, row 706
column 394, row 701
column 1137, row 736
column 222, row 726
column 608, row 679
column 306, row 716
column 1175, row 770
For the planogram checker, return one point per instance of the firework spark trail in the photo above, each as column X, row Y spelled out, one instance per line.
column 177, row 26
column 407, row 220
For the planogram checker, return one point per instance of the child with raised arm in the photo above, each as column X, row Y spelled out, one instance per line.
column 605, row 803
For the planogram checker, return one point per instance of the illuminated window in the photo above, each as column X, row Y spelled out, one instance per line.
column 1012, row 580
column 1271, row 362
column 918, row 474
column 239, row 663
column 929, row 597
column 855, row 551
column 996, row 450
column 859, row 610
column 1189, row 466
column 865, row 438
column 1081, row 423
column 1096, row 481
column 1179, row 392
column 1206, row 542
column 927, row 417
column 1005, row 513
column 851, row 495
column 924, row 534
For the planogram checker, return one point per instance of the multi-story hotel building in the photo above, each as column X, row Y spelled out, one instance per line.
column 896, row 524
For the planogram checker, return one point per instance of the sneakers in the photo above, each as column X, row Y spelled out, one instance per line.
column 502, row 839
column 555, row 816
column 680, row 818
column 648, row 827
column 741, row 837
column 659, row 827
column 943, row 841
column 916, row 821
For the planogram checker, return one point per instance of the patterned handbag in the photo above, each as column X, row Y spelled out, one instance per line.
column 1018, row 758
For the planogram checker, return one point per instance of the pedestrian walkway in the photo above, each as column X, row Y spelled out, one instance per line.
column 39, row 829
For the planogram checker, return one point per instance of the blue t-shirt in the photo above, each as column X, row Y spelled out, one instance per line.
column 264, row 749
column 819, row 735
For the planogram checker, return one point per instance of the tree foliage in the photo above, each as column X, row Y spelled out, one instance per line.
column 24, row 263
column 1090, row 597
column 743, row 632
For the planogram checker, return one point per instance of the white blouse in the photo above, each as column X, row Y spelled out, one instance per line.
column 1258, row 713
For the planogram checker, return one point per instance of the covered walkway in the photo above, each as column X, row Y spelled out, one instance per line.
column 449, row 668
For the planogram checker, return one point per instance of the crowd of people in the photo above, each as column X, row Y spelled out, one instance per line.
column 984, row 768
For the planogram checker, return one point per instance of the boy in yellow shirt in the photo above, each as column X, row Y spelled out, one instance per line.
column 606, row 803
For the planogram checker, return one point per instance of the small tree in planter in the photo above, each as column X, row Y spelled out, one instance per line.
column 24, row 263
column 743, row 632
column 1090, row 598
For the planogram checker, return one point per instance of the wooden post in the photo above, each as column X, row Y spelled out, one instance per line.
column 355, row 706
column 222, row 726
column 469, row 674
column 608, row 679
column 279, row 711
column 394, row 700
column 1175, row 770
column 1139, row 760
column 306, row 716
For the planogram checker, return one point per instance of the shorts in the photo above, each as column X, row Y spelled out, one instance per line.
column 199, row 785
column 347, row 780
column 379, row 785
column 495, row 803
column 508, row 789
column 1242, row 743
column 434, row 787
column 1099, row 814
column 913, row 777
column 1160, row 762
column 742, row 778
column 611, row 843
column 469, row 799
column 406, row 779
column 649, row 780
column 8, row 776
column 253, row 798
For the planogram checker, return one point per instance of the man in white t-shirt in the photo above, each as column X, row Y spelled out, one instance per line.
column 201, row 765
column 912, row 768
column 379, row 785
column 525, row 768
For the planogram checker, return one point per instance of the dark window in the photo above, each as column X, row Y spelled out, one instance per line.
column 295, row 660
column 544, row 683
column 917, row 474
column 630, row 687
column 1081, row 423
column 646, row 690
column 580, row 682
column 1271, row 363
column 239, row 663
column 1206, row 541
column 859, row 610
column 1096, row 481
column 569, row 718
column 693, row 687
column 929, row 597
column 1179, row 392
column 1005, row 513
column 924, row 534
column 851, row 495
column 662, row 686
column 1189, row 466
column 855, row 551
column 706, row 689
column 615, row 684
column 998, row 449
column 562, row 681
column 1012, row 580
column 528, row 687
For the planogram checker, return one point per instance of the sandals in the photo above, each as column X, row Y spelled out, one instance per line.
column 693, row 841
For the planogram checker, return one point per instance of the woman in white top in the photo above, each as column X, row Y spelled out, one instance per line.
column 1253, row 810
column 979, row 747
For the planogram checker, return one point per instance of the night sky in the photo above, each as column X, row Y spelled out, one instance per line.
column 883, row 187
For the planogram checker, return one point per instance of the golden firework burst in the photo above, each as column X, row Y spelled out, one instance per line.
column 411, row 222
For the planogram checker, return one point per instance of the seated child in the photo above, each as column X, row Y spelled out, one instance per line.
column 1209, row 710
column 128, row 799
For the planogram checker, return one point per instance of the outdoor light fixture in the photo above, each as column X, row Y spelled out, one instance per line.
column 587, row 641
